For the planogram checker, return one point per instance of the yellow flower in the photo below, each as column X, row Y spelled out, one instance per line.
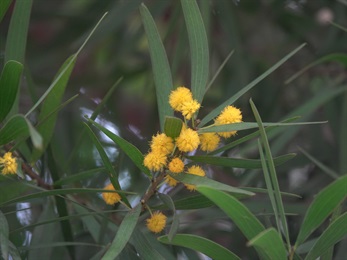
column 189, row 108
column 188, row 140
column 155, row 161
column 176, row 165
column 161, row 143
column 179, row 96
column 110, row 198
column 157, row 222
column 171, row 181
column 229, row 115
column 196, row 170
column 209, row 141
column 9, row 164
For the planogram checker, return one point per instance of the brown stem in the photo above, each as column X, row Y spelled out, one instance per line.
column 152, row 189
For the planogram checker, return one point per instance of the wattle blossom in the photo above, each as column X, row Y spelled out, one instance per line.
column 8, row 163
column 111, row 198
column 209, row 141
column 179, row 96
column 196, row 170
column 161, row 143
column 155, row 161
column 157, row 222
column 176, row 165
column 188, row 140
column 229, row 115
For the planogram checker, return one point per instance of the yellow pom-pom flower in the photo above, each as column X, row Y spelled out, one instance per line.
column 176, row 165
column 9, row 164
column 179, row 96
column 196, row 170
column 209, row 141
column 188, row 140
column 110, row 198
column 161, row 143
column 189, row 108
column 157, row 222
column 229, row 115
column 155, row 161
column 171, row 181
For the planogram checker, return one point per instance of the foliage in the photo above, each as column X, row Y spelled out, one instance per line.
column 235, row 193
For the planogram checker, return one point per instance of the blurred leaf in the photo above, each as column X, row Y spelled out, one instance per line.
column 238, row 162
column 9, row 84
column 193, row 202
column 113, row 175
column 338, row 57
column 129, row 149
column 17, row 32
column 338, row 25
column 75, row 177
column 200, row 244
column 19, row 127
column 343, row 136
column 321, row 207
column 144, row 248
column 198, row 48
column 248, row 125
column 204, row 181
column 240, row 93
column 160, row 64
column 236, row 211
column 335, row 232
column 4, row 236
column 172, row 126
column 175, row 220
column 43, row 194
column 11, row 189
column 59, row 244
column 270, row 243
column 4, row 4
column 271, row 177
column 124, row 232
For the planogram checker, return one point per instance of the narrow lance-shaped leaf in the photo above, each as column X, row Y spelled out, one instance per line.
column 270, row 243
column 4, row 236
column 124, row 233
column 198, row 48
column 4, row 4
column 129, row 149
column 240, row 93
column 321, row 207
column 175, row 220
column 9, row 84
column 160, row 64
column 200, row 244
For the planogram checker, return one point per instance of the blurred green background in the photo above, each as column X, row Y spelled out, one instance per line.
column 260, row 32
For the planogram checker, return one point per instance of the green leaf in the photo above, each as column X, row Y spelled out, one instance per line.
column 248, row 125
column 4, row 236
column 200, row 244
column 19, row 127
column 237, row 162
column 240, row 93
column 160, row 64
column 193, row 202
column 129, row 149
column 51, row 102
column 198, row 48
column 271, row 177
column 123, row 235
column 17, row 32
column 338, row 57
column 335, row 232
column 206, row 182
column 175, row 220
column 236, row 211
column 9, row 84
column 144, row 247
column 110, row 170
column 270, row 243
column 321, row 207
column 172, row 126
column 4, row 4
column 75, row 177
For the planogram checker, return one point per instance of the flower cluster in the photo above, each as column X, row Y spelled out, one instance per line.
column 166, row 154
column 8, row 163
column 111, row 198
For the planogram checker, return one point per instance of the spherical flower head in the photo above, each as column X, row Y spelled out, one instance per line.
column 110, row 198
column 176, row 165
column 157, row 222
column 155, row 161
column 209, row 141
column 188, row 140
column 189, row 108
column 179, row 96
column 229, row 115
column 196, row 170
column 171, row 181
column 161, row 143
column 9, row 164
